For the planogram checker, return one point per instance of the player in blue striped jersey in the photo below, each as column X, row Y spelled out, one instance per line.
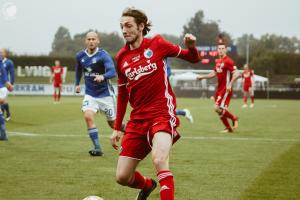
column 4, row 87
column 97, row 67
column 10, row 71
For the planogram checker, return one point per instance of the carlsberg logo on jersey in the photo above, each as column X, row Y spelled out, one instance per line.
column 136, row 73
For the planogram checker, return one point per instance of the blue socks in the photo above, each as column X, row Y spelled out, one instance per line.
column 5, row 108
column 93, row 133
column 2, row 128
column 180, row 112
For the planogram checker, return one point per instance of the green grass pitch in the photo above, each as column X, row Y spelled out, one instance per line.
column 46, row 156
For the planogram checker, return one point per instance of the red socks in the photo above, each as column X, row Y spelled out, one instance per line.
column 229, row 115
column 165, row 179
column 245, row 99
column 225, row 122
column 140, row 182
column 166, row 182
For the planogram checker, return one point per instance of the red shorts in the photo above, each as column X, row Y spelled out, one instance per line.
column 137, row 140
column 57, row 84
column 246, row 87
column 223, row 98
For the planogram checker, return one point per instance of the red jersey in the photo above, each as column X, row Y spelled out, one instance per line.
column 57, row 72
column 143, row 80
column 224, row 68
column 247, row 76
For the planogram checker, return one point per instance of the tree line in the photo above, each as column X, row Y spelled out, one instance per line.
column 273, row 53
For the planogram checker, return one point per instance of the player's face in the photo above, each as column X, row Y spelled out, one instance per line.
column 92, row 41
column 222, row 50
column 131, row 31
column 57, row 63
column 246, row 67
column 3, row 53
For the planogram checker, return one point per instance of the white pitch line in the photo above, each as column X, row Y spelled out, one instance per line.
column 183, row 137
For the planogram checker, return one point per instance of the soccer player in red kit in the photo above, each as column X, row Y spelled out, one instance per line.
column 227, row 74
column 248, row 83
column 143, row 81
column 56, row 78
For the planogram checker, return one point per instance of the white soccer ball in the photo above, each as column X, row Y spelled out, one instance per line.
column 93, row 198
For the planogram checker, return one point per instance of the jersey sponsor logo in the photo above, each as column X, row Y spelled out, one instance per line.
column 247, row 74
column 136, row 73
column 91, row 74
column 89, row 69
column 56, row 71
column 148, row 53
column 219, row 69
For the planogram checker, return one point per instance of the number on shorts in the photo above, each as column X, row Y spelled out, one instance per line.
column 108, row 112
column 85, row 103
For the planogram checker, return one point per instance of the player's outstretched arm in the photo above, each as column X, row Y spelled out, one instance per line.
column 208, row 76
column 191, row 53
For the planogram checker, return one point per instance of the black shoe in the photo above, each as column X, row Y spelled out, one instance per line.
column 144, row 194
column 95, row 152
column 4, row 138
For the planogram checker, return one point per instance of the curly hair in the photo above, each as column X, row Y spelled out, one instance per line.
column 221, row 40
column 139, row 17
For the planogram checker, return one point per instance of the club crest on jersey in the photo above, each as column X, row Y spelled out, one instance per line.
column 148, row 53
column 94, row 60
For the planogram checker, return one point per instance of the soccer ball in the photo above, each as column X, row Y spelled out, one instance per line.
column 93, row 198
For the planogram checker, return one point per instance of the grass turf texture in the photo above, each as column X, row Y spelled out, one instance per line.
column 256, row 162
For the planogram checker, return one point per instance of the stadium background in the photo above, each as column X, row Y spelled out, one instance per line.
column 46, row 155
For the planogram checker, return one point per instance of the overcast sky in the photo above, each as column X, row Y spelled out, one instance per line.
column 28, row 26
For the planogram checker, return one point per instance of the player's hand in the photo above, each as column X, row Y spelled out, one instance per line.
column 9, row 86
column 114, row 139
column 77, row 89
column 228, row 88
column 199, row 77
column 189, row 40
column 99, row 78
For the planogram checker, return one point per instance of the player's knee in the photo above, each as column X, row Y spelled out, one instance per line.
column 217, row 109
column 88, row 118
column 159, row 161
column 122, row 179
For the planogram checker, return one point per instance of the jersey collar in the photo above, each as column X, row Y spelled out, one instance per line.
column 90, row 55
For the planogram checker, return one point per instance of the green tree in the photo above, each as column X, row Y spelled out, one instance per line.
column 206, row 31
column 62, row 43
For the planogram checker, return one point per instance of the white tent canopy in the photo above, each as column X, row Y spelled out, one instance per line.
column 191, row 75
